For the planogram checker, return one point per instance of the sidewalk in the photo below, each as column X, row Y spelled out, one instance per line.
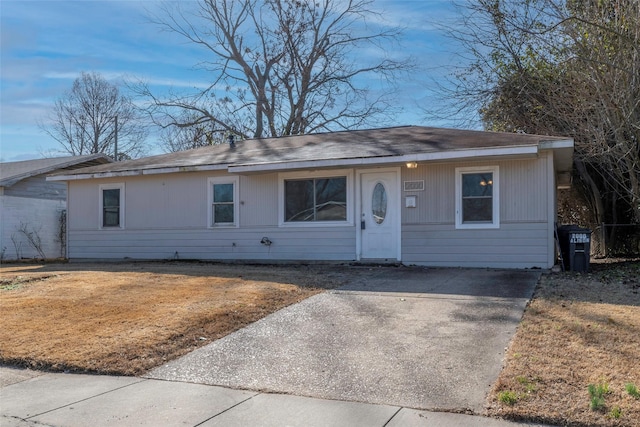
column 30, row 398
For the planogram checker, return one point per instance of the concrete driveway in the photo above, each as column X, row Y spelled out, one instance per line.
column 412, row 337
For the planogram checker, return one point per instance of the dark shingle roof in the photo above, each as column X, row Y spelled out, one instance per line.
column 13, row 172
column 335, row 146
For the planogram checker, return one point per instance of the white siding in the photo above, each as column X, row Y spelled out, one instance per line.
column 168, row 213
column 513, row 245
column 429, row 236
column 523, row 191
column 83, row 205
column 259, row 200
column 166, row 201
column 436, row 204
column 38, row 215
column 336, row 243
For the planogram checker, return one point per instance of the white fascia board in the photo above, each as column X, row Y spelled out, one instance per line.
column 137, row 172
column 516, row 150
column 530, row 150
column 93, row 175
column 307, row 164
column 184, row 169
column 550, row 145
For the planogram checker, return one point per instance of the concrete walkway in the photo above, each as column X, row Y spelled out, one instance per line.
column 33, row 399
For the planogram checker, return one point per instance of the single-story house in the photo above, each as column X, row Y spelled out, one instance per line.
column 30, row 203
column 416, row 195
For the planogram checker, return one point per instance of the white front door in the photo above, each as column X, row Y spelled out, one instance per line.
column 379, row 215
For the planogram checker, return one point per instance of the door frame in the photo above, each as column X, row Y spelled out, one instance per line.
column 394, row 201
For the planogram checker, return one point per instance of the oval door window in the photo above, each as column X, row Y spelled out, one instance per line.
column 379, row 203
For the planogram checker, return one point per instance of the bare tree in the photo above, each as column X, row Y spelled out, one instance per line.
column 569, row 68
column 93, row 117
column 179, row 138
column 281, row 67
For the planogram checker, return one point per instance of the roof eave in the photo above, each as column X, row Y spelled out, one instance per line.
column 563, row 153
column 136, row 172
column 519, row 151
column 555, row 144
column 528, row 150
column 74, row 161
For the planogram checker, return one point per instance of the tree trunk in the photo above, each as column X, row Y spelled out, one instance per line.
column 594, row 196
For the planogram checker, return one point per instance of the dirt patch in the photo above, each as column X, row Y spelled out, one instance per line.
column 127, row 318
column 579, row 329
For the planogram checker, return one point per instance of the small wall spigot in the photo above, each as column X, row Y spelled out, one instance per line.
column 265, row 241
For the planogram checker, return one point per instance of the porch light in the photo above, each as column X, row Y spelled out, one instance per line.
column 412, row 165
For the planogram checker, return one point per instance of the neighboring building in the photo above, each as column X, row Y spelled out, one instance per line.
column 30, row 203
column 418, row 195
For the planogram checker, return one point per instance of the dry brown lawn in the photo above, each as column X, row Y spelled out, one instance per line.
column 128, row 318
column 579, row 329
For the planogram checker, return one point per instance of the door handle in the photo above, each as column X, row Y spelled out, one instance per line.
column 362, row 225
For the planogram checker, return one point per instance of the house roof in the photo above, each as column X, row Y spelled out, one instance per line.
column 13, row 172
column 336, row 149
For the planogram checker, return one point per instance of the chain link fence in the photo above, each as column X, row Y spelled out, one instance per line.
column 616, row 240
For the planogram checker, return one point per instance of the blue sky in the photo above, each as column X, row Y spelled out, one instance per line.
column 45, row 45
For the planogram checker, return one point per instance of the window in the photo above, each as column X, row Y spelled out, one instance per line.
column 319, row 199
column 112, row 206
column 477, row 198
column 223, row 197
column 315, row 198
column 379, row 203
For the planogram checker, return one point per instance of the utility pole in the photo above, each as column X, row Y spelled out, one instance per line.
column 115, row 146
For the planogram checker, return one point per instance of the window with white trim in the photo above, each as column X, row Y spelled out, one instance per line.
column 315, row 198
column 477, row 197
column 223, row 201
column 111, row 205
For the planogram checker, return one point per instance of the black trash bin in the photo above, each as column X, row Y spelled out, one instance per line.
column 575, row 244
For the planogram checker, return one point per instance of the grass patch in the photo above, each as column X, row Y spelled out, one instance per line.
column 18, row 282
column 632, row 390
column 508, row 397
column 616, row 412
column 529, row 386
column 597, row 394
